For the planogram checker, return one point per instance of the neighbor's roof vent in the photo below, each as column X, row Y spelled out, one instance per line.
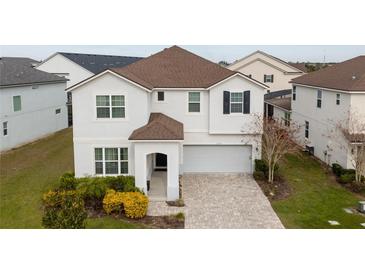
column 353, row 77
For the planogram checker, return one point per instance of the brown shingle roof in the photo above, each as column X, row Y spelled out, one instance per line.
column 284, row 103
column 348, row 76
column 300, row 66
column 159, row 127
column 174, row 67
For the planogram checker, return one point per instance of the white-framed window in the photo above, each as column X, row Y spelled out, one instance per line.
column 194, row 101
column 319, row 98
column 338, row 99
column 160, row 96
column 269, row 78
column 5, row 128
column 110, row 106
column 306, row 131
column 287, row 118
column 294, row 93
column 58, row 111
column 111, row 161
column 17, row 103
column 236, row 103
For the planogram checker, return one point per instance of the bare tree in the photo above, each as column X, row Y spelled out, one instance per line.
column 278, row 140
column 352, row 130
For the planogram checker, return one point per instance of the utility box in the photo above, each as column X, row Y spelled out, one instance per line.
column 362, row 206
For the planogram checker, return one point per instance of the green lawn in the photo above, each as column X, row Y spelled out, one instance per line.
column 316, row 197
column 27, row 172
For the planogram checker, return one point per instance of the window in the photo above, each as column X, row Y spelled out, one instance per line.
column 294, row 93
column 338, row 99
column 319, row 98
column 287, row 119
column 111, row 161
column 236, row 102
column 5, row 128
column 17, row 103
column 160, row 96
column 58, row 111
column 306, row 129
column 194, row 101
column 110, row 106
column 269, row 78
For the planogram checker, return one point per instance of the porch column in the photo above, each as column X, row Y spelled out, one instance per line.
column 173, row 165
column 140, row 168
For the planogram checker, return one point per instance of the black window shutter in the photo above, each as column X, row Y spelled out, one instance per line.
column 272, row 78
column 226, row 102
column 246, row 102
column 264, row 78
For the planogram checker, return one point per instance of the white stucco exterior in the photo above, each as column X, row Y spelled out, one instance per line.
column 37, row 117
column 60, row 65
column 208, row 127
column 323, row 133
column 259, row 63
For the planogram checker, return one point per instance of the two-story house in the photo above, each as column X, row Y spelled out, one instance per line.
column 323, row 99
column 172, row 111
column 78, row 66
column 32, row 102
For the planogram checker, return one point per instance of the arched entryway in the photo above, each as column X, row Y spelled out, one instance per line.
column 157, row 171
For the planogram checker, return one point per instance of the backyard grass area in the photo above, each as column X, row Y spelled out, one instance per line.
column 29, row 171
column 316, row 197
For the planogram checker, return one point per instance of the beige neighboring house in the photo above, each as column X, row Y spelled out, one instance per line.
column 267, row 69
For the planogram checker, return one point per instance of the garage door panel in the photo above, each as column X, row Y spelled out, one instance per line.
column 217, row 158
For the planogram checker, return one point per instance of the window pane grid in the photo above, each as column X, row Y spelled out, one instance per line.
column 110, row 106
column 194, row 96
column 114, row 162
column 102, row 101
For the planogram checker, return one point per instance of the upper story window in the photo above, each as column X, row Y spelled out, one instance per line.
column 110, row 106
column 306, row 131
column 338, row 99
column 17, row 103
column 160, row 96
column 294, row 93
column 194, row 101
column 5, row 128
column 111, row 161
column 287, row 119
column 269, row 78
column 319, row 98
column 58, row 111
column 236, row 102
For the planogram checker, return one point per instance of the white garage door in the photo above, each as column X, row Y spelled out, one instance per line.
column 217, row 158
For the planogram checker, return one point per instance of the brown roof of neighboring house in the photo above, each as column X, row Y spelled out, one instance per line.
column 300, row 66
column 174, row 67
column 284, row 103
column 347, row 76
column 159, row 127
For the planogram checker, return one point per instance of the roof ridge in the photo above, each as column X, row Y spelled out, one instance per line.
column 92, row 54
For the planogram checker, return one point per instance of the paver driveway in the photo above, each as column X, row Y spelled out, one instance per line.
column 226, row 201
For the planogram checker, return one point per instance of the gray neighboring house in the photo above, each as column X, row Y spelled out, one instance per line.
column 77, row 67
column 32, row 102
column 278, row 105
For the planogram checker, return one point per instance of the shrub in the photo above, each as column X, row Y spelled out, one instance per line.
column 68, row 181
column 93, row 191
column 135, row 204
column 113, row 201
column 347, row 178
column 260, row 165
column 259, row 175
column 63, row 209
column 122, row 183
column 180, row 216
column 337, row 169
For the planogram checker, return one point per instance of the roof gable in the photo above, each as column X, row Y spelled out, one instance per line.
column 266, row 59
column 348, row 76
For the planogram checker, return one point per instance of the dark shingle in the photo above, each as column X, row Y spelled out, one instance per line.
column 20, row 71
column 96, row 63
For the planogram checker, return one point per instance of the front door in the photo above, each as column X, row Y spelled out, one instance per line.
column 161, row 161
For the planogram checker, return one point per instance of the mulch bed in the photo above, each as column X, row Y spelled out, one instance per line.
column 155, row 222
column 277, row 190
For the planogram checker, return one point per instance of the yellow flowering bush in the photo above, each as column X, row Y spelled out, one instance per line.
column 113, row 201
column 135, row 204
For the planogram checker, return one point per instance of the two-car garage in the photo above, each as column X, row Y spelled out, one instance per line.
column 217, row 158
